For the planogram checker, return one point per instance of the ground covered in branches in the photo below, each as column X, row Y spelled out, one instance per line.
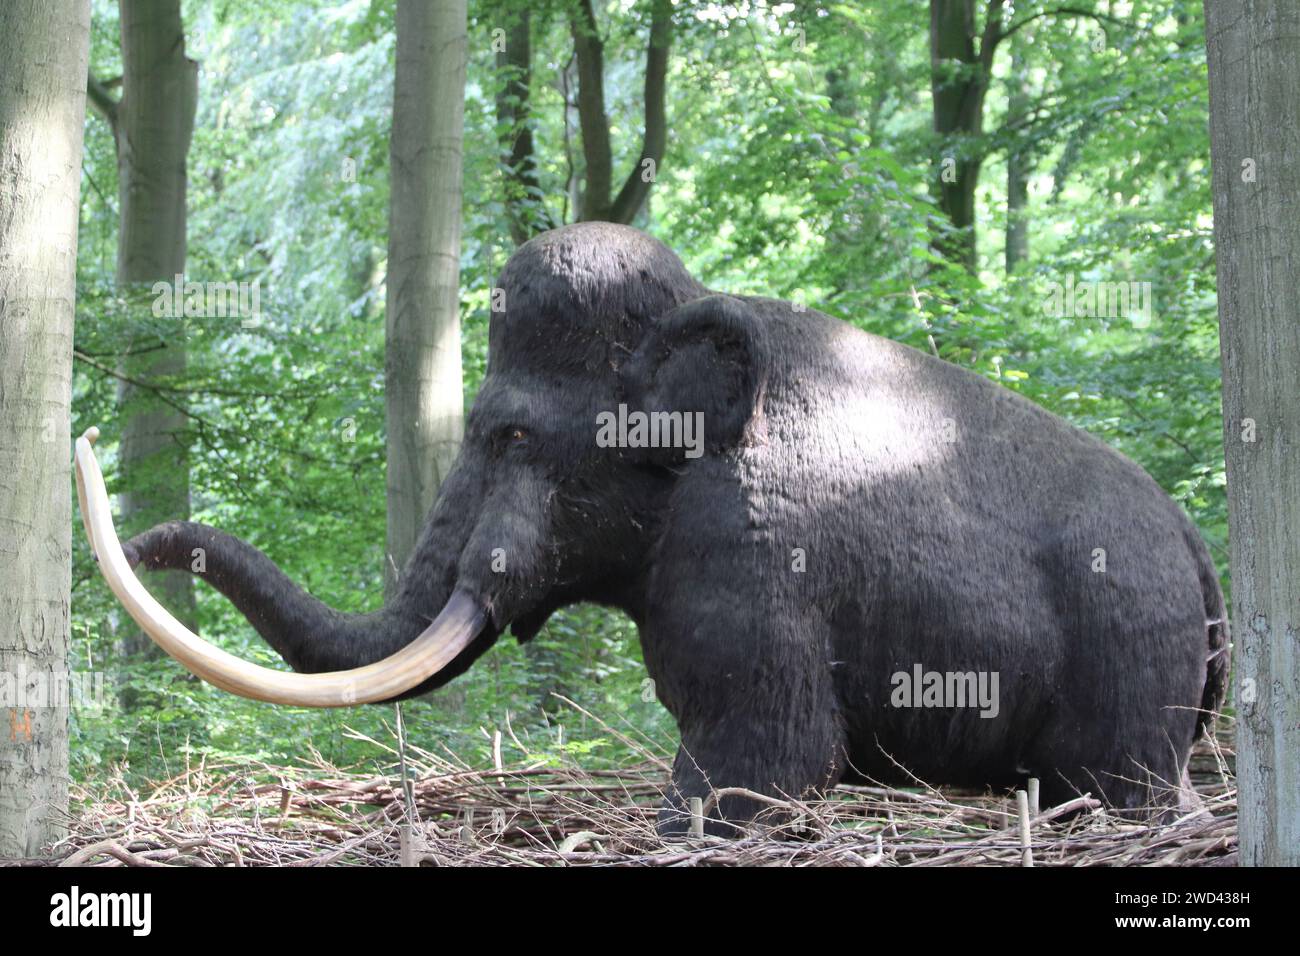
column 450, row 814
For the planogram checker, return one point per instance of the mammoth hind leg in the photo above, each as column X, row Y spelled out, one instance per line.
column 1133, row 781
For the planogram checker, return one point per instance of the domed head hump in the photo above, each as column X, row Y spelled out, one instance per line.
column 579, row 298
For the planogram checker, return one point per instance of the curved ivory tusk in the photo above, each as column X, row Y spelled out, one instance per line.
column 459, row 622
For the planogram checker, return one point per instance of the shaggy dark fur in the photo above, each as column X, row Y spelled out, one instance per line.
column 861, row 508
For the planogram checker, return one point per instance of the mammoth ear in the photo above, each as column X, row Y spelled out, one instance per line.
column 706, row 359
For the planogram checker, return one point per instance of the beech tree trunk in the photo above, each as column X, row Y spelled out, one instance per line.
column 1254, row 59
column 423, row 387
column 153, row 124
column 44, row 45
column 959, row 80
column 524, row 206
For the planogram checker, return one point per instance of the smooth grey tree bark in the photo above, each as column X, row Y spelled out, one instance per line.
column 152, row 125
column 425, row 406
column 44, row 45
column 1254, row 59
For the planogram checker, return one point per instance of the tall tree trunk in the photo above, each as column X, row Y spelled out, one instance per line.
column 567, row 81
column 425, row 402
column 1254, row 58
column 589, row 52
column 153, row 125
column 44, row 47
column 1019, row 165
column 959, row 78
column 524, row 208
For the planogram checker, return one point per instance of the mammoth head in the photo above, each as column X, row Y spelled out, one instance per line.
column 536, row 513
column 576, row 300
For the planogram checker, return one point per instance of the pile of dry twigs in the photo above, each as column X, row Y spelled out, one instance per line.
column 530, row 814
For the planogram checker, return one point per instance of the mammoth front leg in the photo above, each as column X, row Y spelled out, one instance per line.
column 760, row 752
column 744, row 663
column 777, row 736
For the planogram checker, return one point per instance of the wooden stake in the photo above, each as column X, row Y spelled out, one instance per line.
column 697, row 816
column 1026, row 849
column 1033, row 796
column 406, row 842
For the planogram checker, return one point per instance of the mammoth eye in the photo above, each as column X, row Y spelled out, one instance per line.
column 518, row 434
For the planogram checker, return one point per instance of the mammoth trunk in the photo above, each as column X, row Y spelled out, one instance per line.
column 433, row 629
column 311, row 636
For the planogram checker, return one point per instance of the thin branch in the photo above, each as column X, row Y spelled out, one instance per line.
column 1132, row 407
column 85, row 172
column 1102, row 18
column 992, row 36
column 102, row 101
column 130, row 351
column 161, row 392
column 192, row 389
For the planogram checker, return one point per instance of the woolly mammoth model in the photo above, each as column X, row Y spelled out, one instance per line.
column 846, row 559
